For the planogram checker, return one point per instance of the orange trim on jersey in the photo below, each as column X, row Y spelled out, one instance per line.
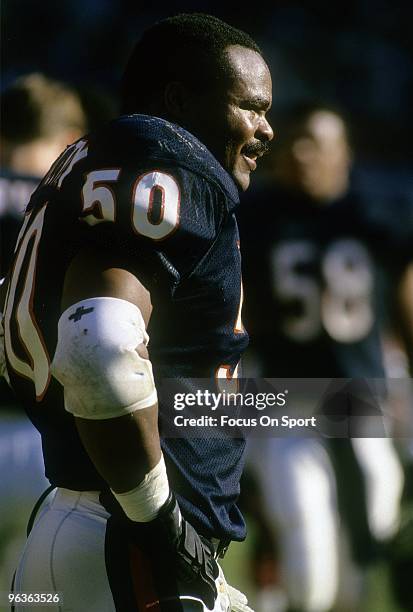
column 95, row 209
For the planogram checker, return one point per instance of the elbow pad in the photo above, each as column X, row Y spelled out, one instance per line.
column 96, row 360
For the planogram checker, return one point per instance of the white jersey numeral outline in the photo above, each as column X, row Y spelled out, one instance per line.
column 37, row 368
column 143, row 198
column 99, row 201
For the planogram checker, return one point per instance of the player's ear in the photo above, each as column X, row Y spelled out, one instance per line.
column 176, row 99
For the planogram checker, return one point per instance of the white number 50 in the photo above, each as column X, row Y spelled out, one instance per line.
column 99, row 202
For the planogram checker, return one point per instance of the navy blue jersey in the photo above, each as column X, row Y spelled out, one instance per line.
column 312, row 285
column 150, row 193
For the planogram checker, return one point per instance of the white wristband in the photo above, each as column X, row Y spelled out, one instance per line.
column 143, row 503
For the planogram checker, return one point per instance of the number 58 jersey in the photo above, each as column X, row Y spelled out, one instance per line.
column 149, row 196
column 312, row 281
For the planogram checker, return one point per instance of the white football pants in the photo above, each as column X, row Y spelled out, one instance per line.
column 65, row 554
column 299, row 492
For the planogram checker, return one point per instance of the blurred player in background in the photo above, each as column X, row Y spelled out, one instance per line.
column 132, row 232
column 40, row 117
column 310, row 258
column 399, row 352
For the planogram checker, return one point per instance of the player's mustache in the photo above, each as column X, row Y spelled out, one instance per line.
column 256, row 149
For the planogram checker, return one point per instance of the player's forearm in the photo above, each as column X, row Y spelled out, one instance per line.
column 123, row 449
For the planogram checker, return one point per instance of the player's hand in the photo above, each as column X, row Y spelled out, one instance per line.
column 230, row 599
column 182, row 560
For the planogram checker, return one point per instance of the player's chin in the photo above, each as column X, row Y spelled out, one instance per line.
column 242, row 178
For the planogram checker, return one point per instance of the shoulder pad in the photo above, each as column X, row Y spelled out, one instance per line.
column 144, row 137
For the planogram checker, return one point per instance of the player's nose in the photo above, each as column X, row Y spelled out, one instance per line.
column 264, row 130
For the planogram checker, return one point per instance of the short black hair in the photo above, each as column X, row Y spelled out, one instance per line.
column 187, row 48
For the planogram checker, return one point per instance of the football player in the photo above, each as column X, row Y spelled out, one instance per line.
column 40, row 117
column 311, row 312
column 131, row 235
